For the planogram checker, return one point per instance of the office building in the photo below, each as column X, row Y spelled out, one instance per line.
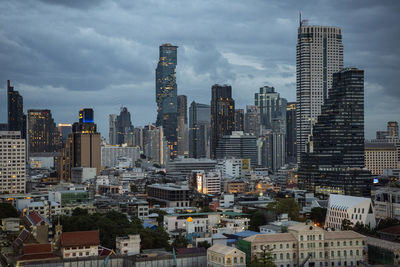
column 124, row 126
column 182, row 130
column 239, row 120
column 207, row 182
column 271, row 150
column 252, row 121
column 112, row 135
column 16, row 116
column 111, row 155
column 319, row 54
column 199, row 130
column 169, row 195
column 83, row 146
column 64, row 130
column 12, row 163
column 380, row 156
column 272, row 109
column 43, row 135
column 222, row 114
column 238, row 145
column 187, row 165
column 291, row 147
column 336, row 158
column 166, row 95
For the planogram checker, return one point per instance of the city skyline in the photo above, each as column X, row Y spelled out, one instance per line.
column 66, row 82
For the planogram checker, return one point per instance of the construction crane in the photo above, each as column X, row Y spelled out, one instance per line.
column 305, row 260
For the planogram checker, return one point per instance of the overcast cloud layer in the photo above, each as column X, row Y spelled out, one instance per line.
column 67, row 54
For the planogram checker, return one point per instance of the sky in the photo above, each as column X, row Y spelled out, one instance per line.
column 64, row 55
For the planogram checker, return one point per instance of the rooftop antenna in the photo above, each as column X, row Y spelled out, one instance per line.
column 300, row 18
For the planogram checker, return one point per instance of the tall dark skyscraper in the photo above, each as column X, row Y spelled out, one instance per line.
column 16, row 116
column 43, row 135
column 252, row 120
column 199, row 130
column 166, row 95
column 124, row 126
column 182, row 130
column 239, row 120
column 336, row 159
column 222, row 114
column 291, row 148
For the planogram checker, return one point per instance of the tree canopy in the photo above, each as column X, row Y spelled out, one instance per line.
column 7, row 211
column 318, row 215
column 285, row 205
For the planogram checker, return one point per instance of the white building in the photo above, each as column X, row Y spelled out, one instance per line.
column 80, row 244
column 128, row 245
column 10, row 224
column 319, row 54
column 220, row 255
column 227, row 201
column 41, row 162
column 208, row 182
column 110, row 154
column 192, row 222
column 354, row 209
column 81, row 175
column 12, row 162
column 387, row 203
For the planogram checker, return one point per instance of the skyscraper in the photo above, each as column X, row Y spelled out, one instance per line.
column 393, row 129
column 64, row 130
column 182, row 130
column 291, row 147
column 12, row 163
column 272, row 108
column 112, row 135
column 319, row 54
column 239, row 120
column 43, row 135
column 335, row 161
column 222, row 114
column 166, row 95
column 16, row 116
column 199, row 130
column 83, row 146
column 252, row 120
column 124, row 126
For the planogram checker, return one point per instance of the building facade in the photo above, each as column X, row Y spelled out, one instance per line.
column 16, row 116
column 222, row 115
column 166, row 95
column 291, row 147
column 12, row 163
column 199, row 130
column 319, row 54
column 252, row 121
column 239, row 120
column 182, row 130
column 380, row 156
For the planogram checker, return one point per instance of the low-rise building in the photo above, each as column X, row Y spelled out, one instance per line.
column 138, row 208
column 355, row 209
column 10, row 224
column 308, row 245
column 387, row 203
column 128, row 245
column 80, row 244
column 169, row 195
column 207, row 182
column 220, row 255
column 235, row 186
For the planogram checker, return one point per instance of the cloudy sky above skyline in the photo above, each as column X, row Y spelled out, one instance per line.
column 67, row 54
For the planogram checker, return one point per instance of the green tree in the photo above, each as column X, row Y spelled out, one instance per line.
column 7, row 211
column 286, row 205
column 204, row 244
column 206, row 209
column 346, row 225
column 180, row 242
column 134, row 188
column 263, row 259
column 256, row 220
column 318, row 215
column 79, row 212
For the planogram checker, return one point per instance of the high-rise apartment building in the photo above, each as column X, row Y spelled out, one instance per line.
column 239, row 120
column 271, row 150
column 64, row 130
column 380, row 156
column 83, row 146
column 272, row 108
column 12, row 163
column 182, row 130
column 43, row 135
column 336, row 159
column 252, row 120
column 166, row 95
column 155, row 145
column 199, row 130
column 222, row 114
column 16, row 116
column 112, row 135
column 319, row 54
column 291, row 147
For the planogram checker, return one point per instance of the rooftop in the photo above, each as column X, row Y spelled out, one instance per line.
column 342, row 235
column 345, row 202
column 222, row 249
column 282, row 237
column 82, row 238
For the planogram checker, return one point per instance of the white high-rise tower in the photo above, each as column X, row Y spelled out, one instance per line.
column 319, row 54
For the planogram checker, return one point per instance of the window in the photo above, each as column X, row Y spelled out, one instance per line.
column 357, row 252
column 287, row 256
column 280, row 246
column 228, row 260
column 344, row 243
column 287, row 245
column 301, row 245
column 351, row 243
column 301, row 238
column 351, row 252
column 344, row 253
column 234, row 260
column 332, row 253
column 241, row 259
column 281, row 256
column 301, row 255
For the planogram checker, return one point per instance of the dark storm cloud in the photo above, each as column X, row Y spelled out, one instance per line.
column 65, row 55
